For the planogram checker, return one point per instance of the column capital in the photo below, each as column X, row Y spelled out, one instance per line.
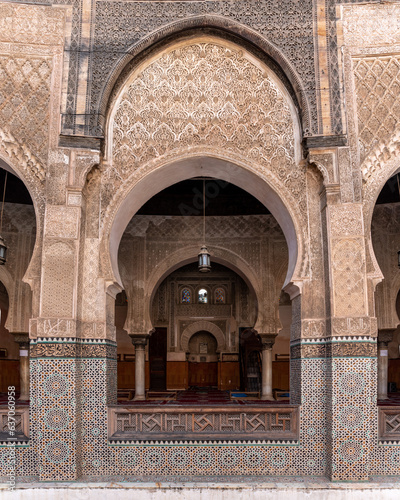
column 385, row 336
column 267, row 340
column 22, row 339
column 139, row 341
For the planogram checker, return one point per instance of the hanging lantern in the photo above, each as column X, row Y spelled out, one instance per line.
column 3, row 251
column 204, row 256
column 204, row 260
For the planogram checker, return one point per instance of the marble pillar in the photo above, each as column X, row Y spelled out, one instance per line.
column 140, row 369
column 266, row 368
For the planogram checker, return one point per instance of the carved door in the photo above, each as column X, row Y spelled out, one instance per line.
column 158, row 359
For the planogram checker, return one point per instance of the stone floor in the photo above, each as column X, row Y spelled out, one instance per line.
column 271, row 489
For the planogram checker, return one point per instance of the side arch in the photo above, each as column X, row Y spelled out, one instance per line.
column 199, row 326
column 8, row 282
column 373, row 186
column 19, row 161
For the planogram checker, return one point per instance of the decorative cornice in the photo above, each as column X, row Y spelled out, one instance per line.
column 334, row 349
column 210, row 442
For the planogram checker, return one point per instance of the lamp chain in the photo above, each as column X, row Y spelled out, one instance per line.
column 204, row 211
column 2, row 205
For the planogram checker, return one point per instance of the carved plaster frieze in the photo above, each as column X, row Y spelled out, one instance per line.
column 313, row 328
column 356, row 326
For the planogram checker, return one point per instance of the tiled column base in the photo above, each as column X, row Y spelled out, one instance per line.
column 55, row 417
column 351, row 405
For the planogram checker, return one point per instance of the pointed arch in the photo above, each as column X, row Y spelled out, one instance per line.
column 199, row 326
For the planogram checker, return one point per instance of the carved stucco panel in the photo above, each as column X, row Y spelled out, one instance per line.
column 377, row 81
column 62, row 222
column 58, row 280
column 25, row 90
column 346, row 220
column 203, row 94
column 203, row 98
column 371, row 25
column 358, row 326
column 314, row 328
column 92, row 293
column 348, row 277
column 32, row 24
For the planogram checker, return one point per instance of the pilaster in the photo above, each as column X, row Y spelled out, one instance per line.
column 73, row 366
column 350, row 347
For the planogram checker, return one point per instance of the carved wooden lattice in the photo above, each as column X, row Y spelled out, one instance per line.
column 389, row 423
column 254, row 423
column 21, row 422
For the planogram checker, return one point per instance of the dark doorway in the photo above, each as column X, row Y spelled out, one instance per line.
column 158, row 359
column 250, row 360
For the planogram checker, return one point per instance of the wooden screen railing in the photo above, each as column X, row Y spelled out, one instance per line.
column 21, row 422
column 389, row 423
column 142, row 424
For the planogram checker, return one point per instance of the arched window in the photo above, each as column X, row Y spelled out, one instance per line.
column 202, row 296
column 219, row 295
column 186, row 296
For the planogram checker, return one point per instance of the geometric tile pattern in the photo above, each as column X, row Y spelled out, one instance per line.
column 351, row 397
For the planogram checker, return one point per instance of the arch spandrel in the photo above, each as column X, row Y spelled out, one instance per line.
column 194, row 110
column 219, row 26
column 202, row 91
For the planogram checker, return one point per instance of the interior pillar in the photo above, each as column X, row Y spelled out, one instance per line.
column 384, row 337
column 140, row 365
column 266, row 368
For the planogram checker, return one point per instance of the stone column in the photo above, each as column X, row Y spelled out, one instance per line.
column 384, row 337
column 140, row 368
column 266, row 374
column 23, row 340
